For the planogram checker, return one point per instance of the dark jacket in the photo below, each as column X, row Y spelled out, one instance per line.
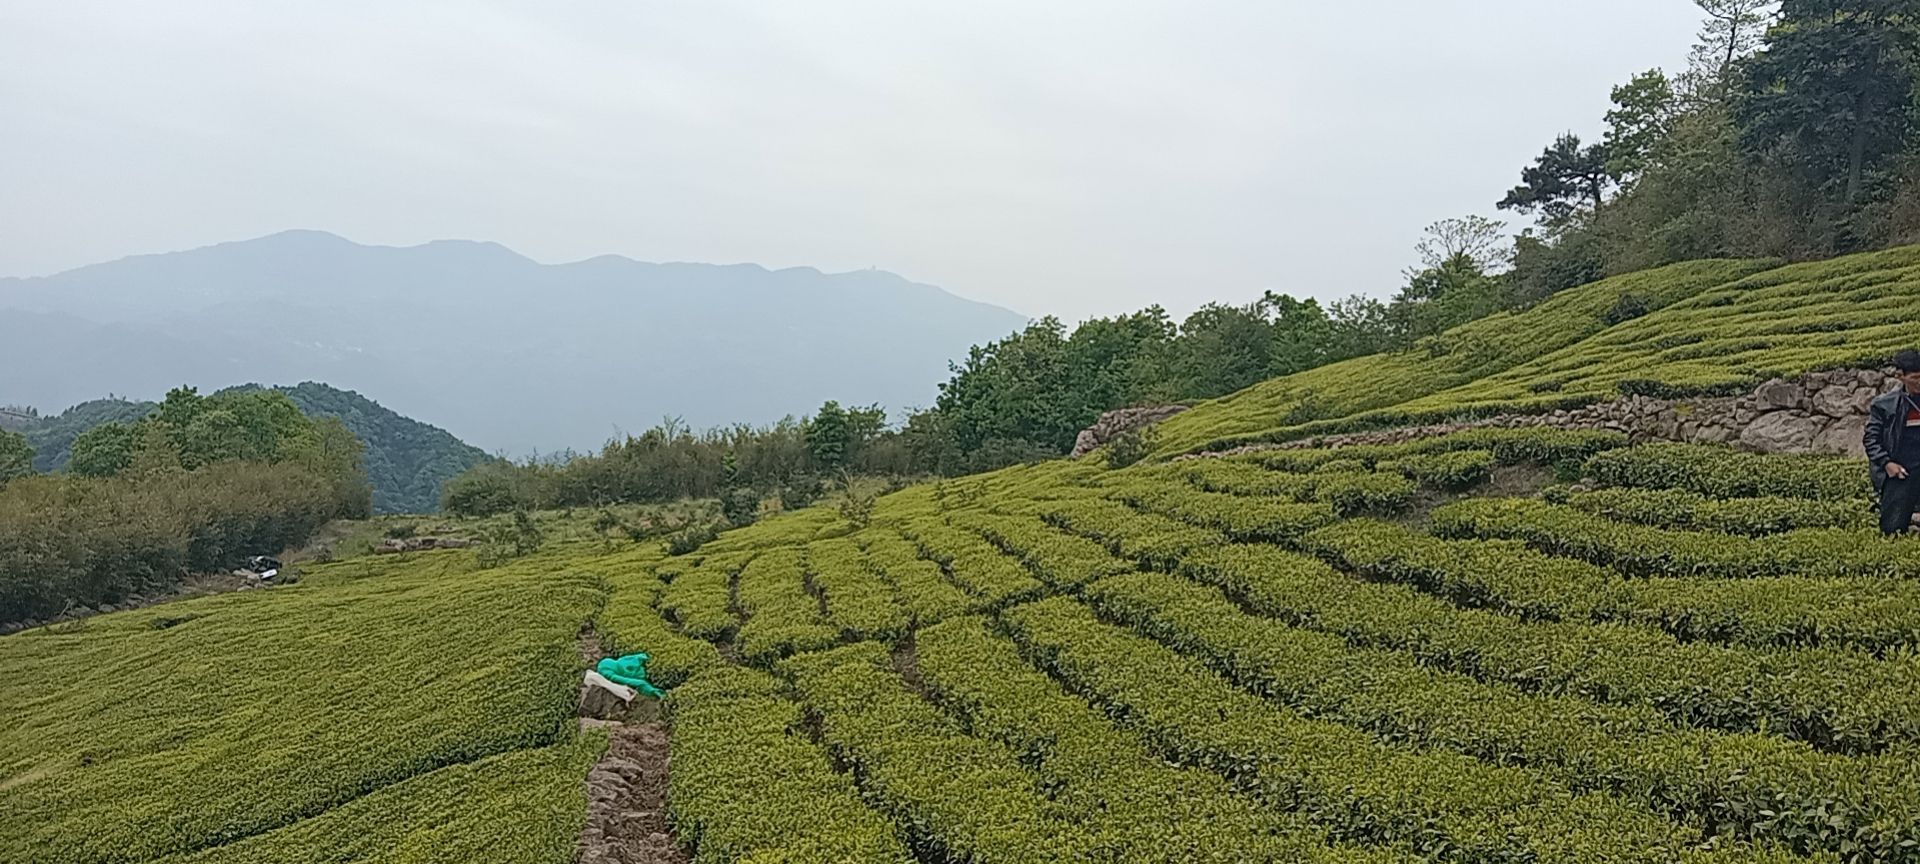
column 1886, row 422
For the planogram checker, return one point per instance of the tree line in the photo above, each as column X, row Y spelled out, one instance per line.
column 198, row 485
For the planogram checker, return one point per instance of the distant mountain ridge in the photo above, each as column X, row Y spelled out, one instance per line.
column 508, row 352
column 406, row 460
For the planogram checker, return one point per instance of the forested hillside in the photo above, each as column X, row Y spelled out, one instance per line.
column 406, row 461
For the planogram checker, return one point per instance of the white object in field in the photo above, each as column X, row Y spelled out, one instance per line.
column 269, row 574
column 595, row 679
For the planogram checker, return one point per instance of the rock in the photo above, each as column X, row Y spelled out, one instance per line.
column 1781, row 432
column 416, row 544
column 1777, row 394
column 602, row 699
column 1113, row 423
column 1842, row 436
column 1838, row 403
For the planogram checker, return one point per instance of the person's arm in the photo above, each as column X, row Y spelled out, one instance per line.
column 1876, row 433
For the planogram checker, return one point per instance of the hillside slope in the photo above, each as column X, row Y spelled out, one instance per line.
column 1699, row 327
column 510, row 353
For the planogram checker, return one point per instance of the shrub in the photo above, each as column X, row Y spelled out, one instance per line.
column 80, row 541
column 485, row 490
column 689, row 539
column 800, row 492
column 856, row 507
column 740, row 506
column 1130, row 447
column 1627, row 308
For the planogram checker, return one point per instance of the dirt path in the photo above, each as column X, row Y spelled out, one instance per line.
column 627, row 800
column 627, row 790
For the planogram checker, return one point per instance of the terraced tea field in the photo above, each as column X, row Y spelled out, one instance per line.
column 1492, row 647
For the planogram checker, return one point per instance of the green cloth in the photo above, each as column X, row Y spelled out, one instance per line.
column 630, row 670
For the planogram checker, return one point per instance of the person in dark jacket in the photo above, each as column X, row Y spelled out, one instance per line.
column 1893, row 445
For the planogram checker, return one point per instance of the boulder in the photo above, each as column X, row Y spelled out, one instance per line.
column 601, row 699
column 1838, row 403
column 1782, row 432
column 1842, row 436
column 1776, row 395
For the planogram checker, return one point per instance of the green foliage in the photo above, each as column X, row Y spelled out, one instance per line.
column 1103, row 777
column 1563, row 179
column 16, row 456
column 103, row 451
column 1646, row 551
column 407, row 461
column 951, row 790
column 855, row 506
column 74, row 541
column 518, row 807
column 671, row 462
column 1130, row 447
column 1488, row 366
column 1717, row 472
column 1028, row 396
column 1751, row 517
column 740, row 506
column 782, row 617
column 53, row 436
column 129, row 742
column 746, row 787
column 1338, row 776
column 689, row 539
column 800, row 492
column 504, row 540
column 489, row 488
column 1453, row 471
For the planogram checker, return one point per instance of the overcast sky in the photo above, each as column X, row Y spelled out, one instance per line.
column 1067, row 158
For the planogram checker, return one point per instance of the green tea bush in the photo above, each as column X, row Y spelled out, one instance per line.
column 269, row 708
column 781, row 617
column 519, row 807
column 1454, row 471
column 1644, row 551
column 747, row 786
column 972, row 563
column 949, row 790
column 1719, row 472
column 920, row 584
column 1103, row 777
column 1690, row 511
column 1432, row 801
column 1634, row 748
column 1355, row 494
column 858, row 602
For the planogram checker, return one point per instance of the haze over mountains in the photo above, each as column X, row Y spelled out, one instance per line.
column 503, row 351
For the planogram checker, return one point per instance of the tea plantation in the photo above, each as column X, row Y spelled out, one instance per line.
column 1492, row 647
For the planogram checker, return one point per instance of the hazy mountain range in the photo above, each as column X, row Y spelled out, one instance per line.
column 503, row 351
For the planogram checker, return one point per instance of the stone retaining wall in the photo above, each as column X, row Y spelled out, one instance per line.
column 1821, row 412
column 1113, row 423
